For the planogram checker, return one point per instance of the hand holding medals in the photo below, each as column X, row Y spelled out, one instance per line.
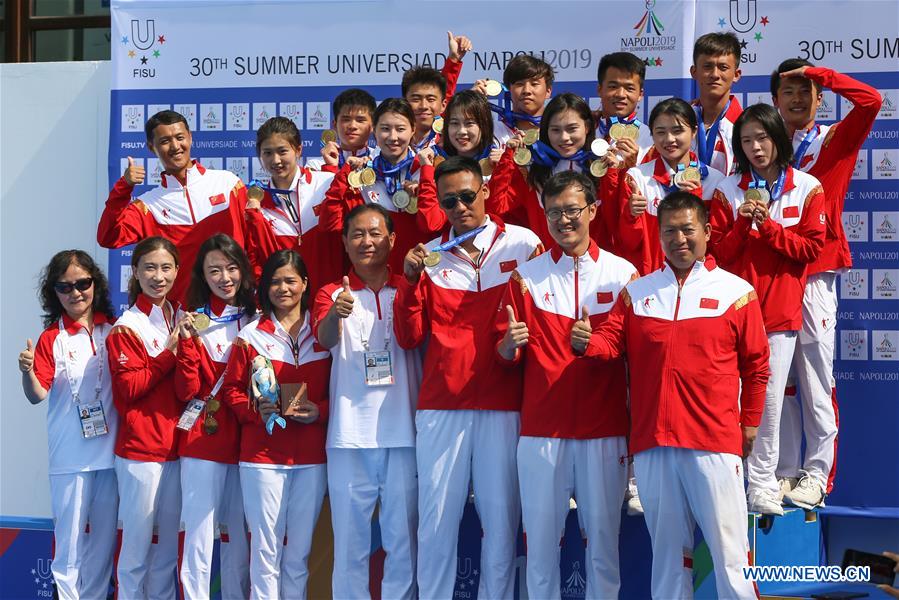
column 414, row 263
column 255, row 194
column 581, row 332
column 523, row 140
column 331, row 153
column 600, row 149
column 688, row 178
column 362, row 174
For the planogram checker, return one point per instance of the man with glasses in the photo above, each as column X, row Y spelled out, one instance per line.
column 574, row 409
column 467, row 421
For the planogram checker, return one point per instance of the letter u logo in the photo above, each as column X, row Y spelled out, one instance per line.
column 464, row 568
column 740, row 21
column 855, row 278
column 854, row 221
column 143, row 40
column 855, row 339
column 43, row 568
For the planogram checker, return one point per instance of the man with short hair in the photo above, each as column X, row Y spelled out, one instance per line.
column 695, row 413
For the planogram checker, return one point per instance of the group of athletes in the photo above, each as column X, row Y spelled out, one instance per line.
column 522, row 303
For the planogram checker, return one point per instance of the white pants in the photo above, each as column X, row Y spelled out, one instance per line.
column 761, row 466
column 211, row 497
column 453, row 447
column 680, row 488
column 812, row 374
column 550, row 472
column 84, row 532
column 357, row 479
column 149, row 507
column 282, row 508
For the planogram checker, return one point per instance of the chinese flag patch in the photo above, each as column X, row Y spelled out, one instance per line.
column 791, row 211
column 507, row 266
column 217, row 199
column 603, row 297
column 709, row 303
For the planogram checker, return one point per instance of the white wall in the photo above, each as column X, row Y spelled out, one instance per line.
column 54, row 133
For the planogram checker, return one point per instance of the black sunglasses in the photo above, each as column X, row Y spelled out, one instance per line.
column 467, row 197
column 64, row 287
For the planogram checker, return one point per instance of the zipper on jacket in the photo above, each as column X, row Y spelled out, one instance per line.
column 577, row 298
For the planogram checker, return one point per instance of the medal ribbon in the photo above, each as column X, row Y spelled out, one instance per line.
column 705, row 140
column 546, row 155
column 804, row 145
column 775, row 191
column 450, row 244
column 508, row 116
column 392, row 175
column 425, row 141
column 206, row 310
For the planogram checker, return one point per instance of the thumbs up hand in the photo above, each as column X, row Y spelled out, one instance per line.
column 343, row 304
column 581, row 332
column 26, row 357
column 516, row 336
column 134, row 174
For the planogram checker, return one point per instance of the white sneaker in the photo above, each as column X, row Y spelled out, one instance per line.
column 634, row 507
column 786, row 485
column 765, row 502
column 808, row 493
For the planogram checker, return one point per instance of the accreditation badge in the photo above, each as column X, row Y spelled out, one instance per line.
column 378, row 368
column 191, row 414
column 93, row 419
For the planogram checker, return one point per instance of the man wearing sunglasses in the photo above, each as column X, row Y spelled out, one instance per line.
column 467, row 420
column 574, row 410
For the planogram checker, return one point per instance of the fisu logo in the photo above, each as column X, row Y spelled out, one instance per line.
column 743, row 15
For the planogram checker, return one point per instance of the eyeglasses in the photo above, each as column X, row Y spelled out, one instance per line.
column 467, row 197
column 573, row 213
column 65, row 287
column 210, row 424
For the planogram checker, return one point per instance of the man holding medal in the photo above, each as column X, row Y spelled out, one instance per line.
column 371, row 434
column 467, row 421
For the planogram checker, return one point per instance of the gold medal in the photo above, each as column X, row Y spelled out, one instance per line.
column 617, row 131
column 401, row 199
column 212, row 405
column 255, row 193
column 522, row 156
column 329, row 135
column 494, row 88
column 631, row 132
column 531, row 136
column 412, row 207
column 367, row 176
column 757, row 195
column 354, row 179
column 599, row 147
column 437, row 125
column 210, row 425
column 486, row 166
column 598, row 168
column 201, row 321
column 437, row 160
column 432, row 259
column 691, row 174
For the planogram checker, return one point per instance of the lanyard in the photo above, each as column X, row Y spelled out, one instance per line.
column 293, row 343
column 705, row 140
column 776, row 191
column 206, row 310
column 482, row 256
column 804, row 145
column 508, row 116
column 388, row 331
column 425, row 141
column 392, row 175
column 76, row 381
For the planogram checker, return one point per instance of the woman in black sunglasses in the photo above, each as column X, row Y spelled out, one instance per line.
column 69, row 368
column 221, row 296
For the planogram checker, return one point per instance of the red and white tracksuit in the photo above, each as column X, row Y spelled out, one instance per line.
column 70, row 363
column 210, row 480
column 723, row 153
column 773, row 258
column 705, row 338
column 831, row 159
column 573, row 415
column 467, row 421
column 146, row 465
column 282, row 475
column 371, row 444
column 208, row 202
column 639, row 236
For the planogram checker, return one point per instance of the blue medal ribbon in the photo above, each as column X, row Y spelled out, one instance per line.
column 508, row 116
column 804, row 145
column 392, row 175
column 449, row 245
column 705, row 140
column 546, row 155
column 206, row 310
column 775, row 191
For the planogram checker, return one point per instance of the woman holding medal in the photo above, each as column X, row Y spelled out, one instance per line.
column 290, row 206
column 768, row 224
column 390, row 179
column 282, row 472
column 142, row 350
column 222, row 298
column 68, row 368
column 675, row 167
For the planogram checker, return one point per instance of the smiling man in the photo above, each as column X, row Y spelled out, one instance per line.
column 190, row 205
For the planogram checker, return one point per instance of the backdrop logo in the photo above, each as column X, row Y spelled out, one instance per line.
column 576, row 585
column 855, row 285
column 743, row 18
column 884, row 164
column 43, row 578
column 650, row 23
column 854, row 344
column 743, row 15
column 143, row 46
column 856, row 226
column 649, row 37
column 885, row 343
column 885, row 284
column 885, row 226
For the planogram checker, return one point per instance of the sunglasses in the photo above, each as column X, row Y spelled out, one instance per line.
column 467, row 197
column 210, row 424
column 65, row 287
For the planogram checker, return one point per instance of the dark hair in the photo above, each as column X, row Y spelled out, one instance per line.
column 363, row 208
column 623, row 61
column 539, row 174
column 198, row 293
column 279, row 126
column 475, row 106
column 144, row 247
column 675, row 107
column 563, row 180
column 394, row 105
column 56, row 268
column 786, row 66
column 681, row 200
column 423, row 76
column 458, row 164
column 281, row 258
column 771, row 121
column 717, row 44
column 525, row 66
column 352, row 98
column 163, row 117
